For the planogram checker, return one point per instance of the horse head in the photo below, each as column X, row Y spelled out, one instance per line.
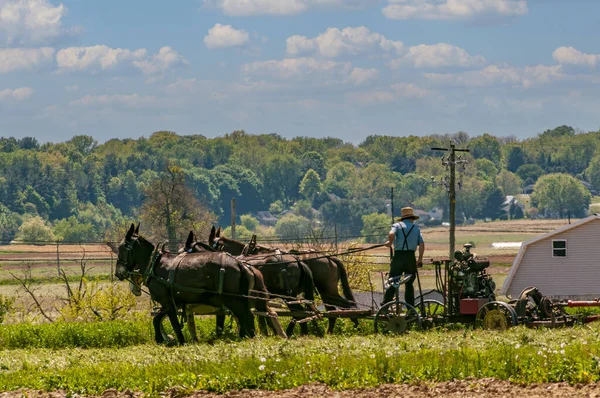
column 133, row 254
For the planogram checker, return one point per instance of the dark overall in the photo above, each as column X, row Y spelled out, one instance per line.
column 404, row 262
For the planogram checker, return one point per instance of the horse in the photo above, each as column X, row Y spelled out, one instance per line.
column 327, row 271
column 173, row 280
column 284, row 275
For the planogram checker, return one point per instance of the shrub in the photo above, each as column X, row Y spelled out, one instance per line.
column 35, row 230
column 6, row 306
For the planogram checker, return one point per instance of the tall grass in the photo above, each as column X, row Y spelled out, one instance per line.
column 520, row 355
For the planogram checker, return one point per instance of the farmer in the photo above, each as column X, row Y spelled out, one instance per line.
column 405, row 236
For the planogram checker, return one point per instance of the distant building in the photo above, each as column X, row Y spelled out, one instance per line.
column 562, row 264
column 266, row 218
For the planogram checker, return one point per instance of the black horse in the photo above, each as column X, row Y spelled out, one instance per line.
column 327, row 271
column 175, row 280
column 285, row 276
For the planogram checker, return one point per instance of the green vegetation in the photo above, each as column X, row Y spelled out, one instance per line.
column 520, row 355
column 79, row 190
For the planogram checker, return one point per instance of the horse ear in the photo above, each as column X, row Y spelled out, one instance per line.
column 218, row 234
column 190, row 240
column 130, row 232
column 211, row 237
column 137, row 229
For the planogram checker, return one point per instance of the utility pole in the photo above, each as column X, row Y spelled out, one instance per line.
column 392, row 211
column 450, row 162
column 232, row 218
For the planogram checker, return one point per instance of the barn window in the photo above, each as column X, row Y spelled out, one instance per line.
column 559, row 248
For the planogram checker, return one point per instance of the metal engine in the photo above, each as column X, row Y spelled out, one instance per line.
column 468, row 277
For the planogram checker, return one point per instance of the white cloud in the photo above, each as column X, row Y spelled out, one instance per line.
column 348, row 41
column 24, row 58
column 572, row 56
column 453, row 9
column 93, row 57
column 221, row 36
column 359, row 76
column 394, row 92
column 18, row 93
column 410, row 90
column 73, row 88
column 165, row 59
column 495, row 75
column 129, row 100
column 32, row 22
column 436, row 56
column 101, row 57
column 280, row 7
column 298, row 69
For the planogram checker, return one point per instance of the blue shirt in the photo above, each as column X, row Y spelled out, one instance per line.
column 413, row 239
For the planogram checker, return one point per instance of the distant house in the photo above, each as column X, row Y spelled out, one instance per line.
column 266, row 218
column 528, row 190
column 509, row 201
column 563, row 264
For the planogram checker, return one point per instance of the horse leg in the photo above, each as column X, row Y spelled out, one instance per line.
column 241, row 310
column 303, row 326
column 159, row 335
column 175, row 323
column 331, row 320
column 191, row 324
column 220, row 324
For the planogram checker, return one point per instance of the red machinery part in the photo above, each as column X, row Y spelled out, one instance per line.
column 592, row 303
column 471, row 306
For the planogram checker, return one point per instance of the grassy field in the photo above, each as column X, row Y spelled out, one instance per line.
column 343, row 361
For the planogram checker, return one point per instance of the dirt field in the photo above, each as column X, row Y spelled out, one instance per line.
column 485, row 388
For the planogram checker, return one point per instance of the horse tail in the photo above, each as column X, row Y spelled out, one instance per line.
column 307, row 281
column 344, row 279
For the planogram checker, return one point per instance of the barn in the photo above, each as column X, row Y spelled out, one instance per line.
column 563, row 264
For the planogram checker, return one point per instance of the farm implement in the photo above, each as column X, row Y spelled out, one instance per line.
column 467, row 297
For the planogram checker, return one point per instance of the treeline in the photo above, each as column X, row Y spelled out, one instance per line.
column 78, row 190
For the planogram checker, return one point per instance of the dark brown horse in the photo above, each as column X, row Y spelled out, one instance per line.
column 285, row 277
column 174, row 280
column 327, row 271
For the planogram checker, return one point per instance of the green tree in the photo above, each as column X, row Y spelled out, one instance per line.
column 486, row 169
column 493, row 203
column 313, row 160
column 9, row 224
column 339, row 178
column 530, row 172
column 35, row 230
column 592, row 173
column 170, row 209
column 486, row 146
column 282, row 176
column 310, row 185
column 71, row 230
column 242, row 233
column 276, row 207
column 515, row 158
column 561, row 193
column 375, row 227
column 292, row 226
column 249, row 222
column 510, row 183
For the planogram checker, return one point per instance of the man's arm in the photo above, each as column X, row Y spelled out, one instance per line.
column 421, row 252
column 391, row 237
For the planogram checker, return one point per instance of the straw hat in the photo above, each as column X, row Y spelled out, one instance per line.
column 407, row 212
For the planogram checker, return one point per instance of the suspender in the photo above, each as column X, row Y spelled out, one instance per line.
column 406, row 235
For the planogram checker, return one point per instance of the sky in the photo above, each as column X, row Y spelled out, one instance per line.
column 318, row 68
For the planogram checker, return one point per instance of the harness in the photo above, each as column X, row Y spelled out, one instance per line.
column 406, row 235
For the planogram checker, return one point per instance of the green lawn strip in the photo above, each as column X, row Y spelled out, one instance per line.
column 520, row 355
column 55, row 279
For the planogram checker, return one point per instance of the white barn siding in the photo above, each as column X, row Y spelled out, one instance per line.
column 577, row 275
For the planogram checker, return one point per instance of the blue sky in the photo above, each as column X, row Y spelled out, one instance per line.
column 343, row 68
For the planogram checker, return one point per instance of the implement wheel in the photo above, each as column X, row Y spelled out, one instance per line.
column 396, row 318
column 496, row 315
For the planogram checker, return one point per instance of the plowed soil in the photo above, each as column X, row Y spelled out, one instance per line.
column 488, row 388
